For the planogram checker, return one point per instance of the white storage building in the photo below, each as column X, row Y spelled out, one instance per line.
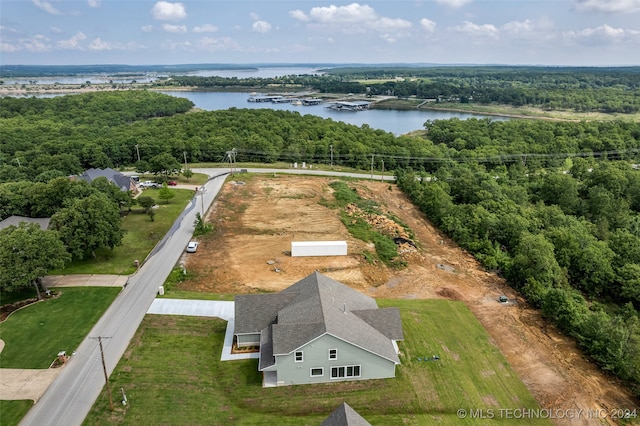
column 318, row 248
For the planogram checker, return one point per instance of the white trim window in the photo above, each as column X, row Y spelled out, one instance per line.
column 317, row 372
column 298, row 356
column 333, row 354
column 345, row 372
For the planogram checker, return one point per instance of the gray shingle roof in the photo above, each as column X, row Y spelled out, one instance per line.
column 16, row 220
column 121, row 181
column 318, row 305
column 344, row 415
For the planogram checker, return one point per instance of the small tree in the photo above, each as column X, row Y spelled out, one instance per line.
column 146, row 202
column 187, row 173
column 201, row 227
column 165, row 193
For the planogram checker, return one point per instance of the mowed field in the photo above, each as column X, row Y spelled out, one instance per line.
column 172, row 374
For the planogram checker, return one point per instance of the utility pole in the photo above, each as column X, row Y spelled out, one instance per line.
column 138, row 152
column 104, row 367
column 382, row 177
column 372, row 166
column 185, row 160
column 331, row 146
column 202, row 202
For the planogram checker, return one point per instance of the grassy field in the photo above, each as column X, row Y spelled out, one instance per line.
column 11, row 412
column 171, row 374
column 141, row 236
column 34, row 335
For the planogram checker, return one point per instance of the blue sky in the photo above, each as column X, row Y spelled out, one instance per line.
column 538, row 32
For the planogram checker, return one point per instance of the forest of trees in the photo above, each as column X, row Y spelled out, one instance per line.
column 605, row 90
column 554, row 207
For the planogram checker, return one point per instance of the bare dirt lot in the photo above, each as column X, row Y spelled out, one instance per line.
column 256, row 220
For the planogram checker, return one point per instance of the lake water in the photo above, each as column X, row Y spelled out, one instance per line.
column 396, row 122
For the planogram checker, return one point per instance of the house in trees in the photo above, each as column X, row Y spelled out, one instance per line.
column 318, row 330
column 125, row 183
column 43, row 223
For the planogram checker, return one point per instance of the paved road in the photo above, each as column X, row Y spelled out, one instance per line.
column 297, row 171
column 73, row 393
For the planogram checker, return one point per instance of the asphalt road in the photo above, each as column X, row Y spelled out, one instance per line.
column 73, row 393
column 70, row 397
column 299, row 171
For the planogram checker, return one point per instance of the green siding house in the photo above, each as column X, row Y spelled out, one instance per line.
column 318, row 330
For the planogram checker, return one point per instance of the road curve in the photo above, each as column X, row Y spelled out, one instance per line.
column 73, row 393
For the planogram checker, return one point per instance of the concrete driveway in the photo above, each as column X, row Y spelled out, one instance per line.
column 85, row 280
column 19, row 384
column 204, row 308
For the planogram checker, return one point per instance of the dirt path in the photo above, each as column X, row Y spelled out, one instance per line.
column 256, row 222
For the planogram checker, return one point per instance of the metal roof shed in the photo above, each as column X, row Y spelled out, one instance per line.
column 318, row 248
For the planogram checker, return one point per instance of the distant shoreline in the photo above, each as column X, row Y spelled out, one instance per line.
column 27, row 90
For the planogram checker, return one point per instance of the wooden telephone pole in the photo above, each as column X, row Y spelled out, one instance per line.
column 104, row 368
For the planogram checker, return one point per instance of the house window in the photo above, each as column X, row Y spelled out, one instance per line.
column 298, row 356
column 317, row 372
column 348, row 371
column 333, row 354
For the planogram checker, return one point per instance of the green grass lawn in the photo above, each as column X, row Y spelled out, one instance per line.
column 141, row 236
column 172, row 374
column 34, row 335
column 11, row 412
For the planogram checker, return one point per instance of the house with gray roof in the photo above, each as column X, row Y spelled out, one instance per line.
column 43, row 222
column 125, row 183
column 318, row 330
column 344, row 415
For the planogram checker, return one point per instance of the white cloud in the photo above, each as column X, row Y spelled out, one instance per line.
column 390, row 24
column 261, row 27
column 94, row 3
column 174, row 28
column 299, row 15
column 428, row 25
column 183, row 45
column 454, row 4
column 602, row 35
column 46, row 6
column 475, row 30
column 351, row 13
column 98, row 44
column 7, row 29
column 73, row 42
column 206, row 28
column 353, row 18
column 608, row 6
column 147, row 28
column 8, row 47
column 165, row 11
column 217, row 44
column 37, row 43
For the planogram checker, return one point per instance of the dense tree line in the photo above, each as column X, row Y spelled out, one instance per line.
column 569, row 241
column 63, row 141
